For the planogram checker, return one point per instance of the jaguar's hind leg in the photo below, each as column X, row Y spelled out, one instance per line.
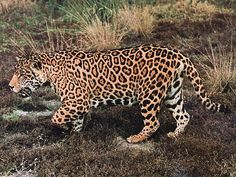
column 150, row 107
column 151, row 124
column 175, row 105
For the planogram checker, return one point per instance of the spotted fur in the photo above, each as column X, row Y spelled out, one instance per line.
column 148, row 75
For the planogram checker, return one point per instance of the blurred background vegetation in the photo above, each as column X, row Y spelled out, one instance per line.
column 104, row 24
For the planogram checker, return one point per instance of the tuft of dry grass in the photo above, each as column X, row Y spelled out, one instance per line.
column 99, row 27
column 184, row 9
column 139, row 20
column 201, row 9
column 220, row 68
column 6, row 5
column 102, row 35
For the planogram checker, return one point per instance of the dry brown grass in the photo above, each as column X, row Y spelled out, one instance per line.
column 102, row 35
column 201, row 9
column 139, row 20
column 184, row 9
column 220, row 69
column 6, row 5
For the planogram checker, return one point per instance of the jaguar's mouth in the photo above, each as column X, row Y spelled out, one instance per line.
column 26, row 92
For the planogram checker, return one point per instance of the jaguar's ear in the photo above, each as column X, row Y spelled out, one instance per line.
column 36, row 65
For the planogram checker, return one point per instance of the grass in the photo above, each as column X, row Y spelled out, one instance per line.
column 58, row 38
column 53, row 39
column 220, row 68
column 101, row 24
column 139, row 20
column 202, row 150
column 7, row 5
column 102, row 35
column 85, row 11
column 104, row 24
column 191, row 10
column 97, row 23
column 26, row 40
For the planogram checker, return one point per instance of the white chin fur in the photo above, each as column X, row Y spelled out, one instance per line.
column 15, row 90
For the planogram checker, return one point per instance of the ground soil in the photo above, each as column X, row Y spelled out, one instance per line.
column 207, row 148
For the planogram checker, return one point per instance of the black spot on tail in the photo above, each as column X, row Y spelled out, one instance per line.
column 224, row 109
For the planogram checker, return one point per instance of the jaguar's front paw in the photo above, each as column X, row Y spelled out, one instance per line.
column 172, row 135
column 136, row 138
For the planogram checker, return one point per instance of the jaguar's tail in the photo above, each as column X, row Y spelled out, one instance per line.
column 196, row 81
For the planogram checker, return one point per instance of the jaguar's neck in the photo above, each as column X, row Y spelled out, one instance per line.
column 52, row 66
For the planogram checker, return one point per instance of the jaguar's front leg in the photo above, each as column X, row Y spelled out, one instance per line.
column 71, row 115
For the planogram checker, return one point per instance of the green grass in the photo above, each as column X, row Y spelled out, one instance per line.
column 84, row 12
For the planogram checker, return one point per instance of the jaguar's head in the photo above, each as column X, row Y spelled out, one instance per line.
column 28, row 75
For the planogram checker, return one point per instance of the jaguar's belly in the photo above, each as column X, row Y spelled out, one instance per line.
column 126, row 101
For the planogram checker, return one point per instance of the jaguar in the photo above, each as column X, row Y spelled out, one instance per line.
column 148, row 75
